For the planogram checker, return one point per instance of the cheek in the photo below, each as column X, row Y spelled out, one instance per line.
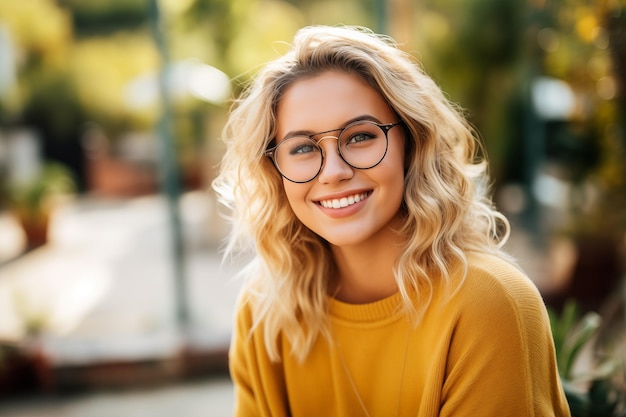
column 395, row 185
column 393, row 166
column 392, row 176
column 296, row 194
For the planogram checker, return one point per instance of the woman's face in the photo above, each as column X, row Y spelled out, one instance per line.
column 373, row 196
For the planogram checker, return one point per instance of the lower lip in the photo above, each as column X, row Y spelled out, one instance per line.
column 345, row 211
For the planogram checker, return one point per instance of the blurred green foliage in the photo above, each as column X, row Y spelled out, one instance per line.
column 94, row 17
column 33, row 197
column 592, row 392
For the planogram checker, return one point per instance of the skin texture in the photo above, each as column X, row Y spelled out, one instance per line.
column 362, row 236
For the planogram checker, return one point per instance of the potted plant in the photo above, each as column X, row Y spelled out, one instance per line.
column 32, row 202
column 592, row 391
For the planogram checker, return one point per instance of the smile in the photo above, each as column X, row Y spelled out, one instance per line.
column 343, row 202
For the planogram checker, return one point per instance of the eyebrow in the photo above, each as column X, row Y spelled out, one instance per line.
column 310, row 133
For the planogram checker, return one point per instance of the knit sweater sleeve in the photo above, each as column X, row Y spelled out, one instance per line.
column 258, row 382
column 501, row 359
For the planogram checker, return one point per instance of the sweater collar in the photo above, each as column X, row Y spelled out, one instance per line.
column 387, row 308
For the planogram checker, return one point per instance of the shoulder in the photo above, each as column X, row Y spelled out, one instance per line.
column 499, row 354
column 248, row 333
column 498, row 291
column 489, row 275
column 244, row 315
column 250, row 316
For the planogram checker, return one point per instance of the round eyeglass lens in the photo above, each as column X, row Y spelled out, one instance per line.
column 363, row 145
column 298, row 158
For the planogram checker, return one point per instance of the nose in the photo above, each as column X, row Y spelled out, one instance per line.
column 334, row 168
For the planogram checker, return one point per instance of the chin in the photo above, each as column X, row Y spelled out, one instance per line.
column 346, row 238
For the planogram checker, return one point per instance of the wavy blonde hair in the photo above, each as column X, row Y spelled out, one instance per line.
column 447, row 211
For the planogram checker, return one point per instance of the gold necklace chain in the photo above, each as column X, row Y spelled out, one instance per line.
column 356, row 390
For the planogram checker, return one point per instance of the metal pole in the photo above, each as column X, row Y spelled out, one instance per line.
column 170, row 178
column 380, row 16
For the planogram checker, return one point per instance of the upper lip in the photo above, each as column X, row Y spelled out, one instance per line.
column 341, row 195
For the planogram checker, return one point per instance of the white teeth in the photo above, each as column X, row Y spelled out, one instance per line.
column 344, row 201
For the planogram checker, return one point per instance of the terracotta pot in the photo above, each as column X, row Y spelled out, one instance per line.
column 35, row 226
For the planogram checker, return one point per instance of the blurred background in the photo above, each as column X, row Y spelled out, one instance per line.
column 114, row 298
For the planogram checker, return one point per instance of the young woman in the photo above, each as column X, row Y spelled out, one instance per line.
column 378, row 286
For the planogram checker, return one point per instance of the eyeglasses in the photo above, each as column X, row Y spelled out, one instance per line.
column 362, row 145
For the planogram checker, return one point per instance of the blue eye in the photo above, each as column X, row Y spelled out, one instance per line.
column 301, row 149
column 299, row 146
column 360, row 137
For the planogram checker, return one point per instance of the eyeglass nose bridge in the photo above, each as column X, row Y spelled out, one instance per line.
column 336, row 137
column 327, row 137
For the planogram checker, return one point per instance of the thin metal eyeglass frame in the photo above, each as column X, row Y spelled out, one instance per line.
column 270, row 152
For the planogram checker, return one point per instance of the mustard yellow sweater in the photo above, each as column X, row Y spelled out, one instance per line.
column 487, row 352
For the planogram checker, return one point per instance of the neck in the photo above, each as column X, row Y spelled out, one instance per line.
column 365, row 271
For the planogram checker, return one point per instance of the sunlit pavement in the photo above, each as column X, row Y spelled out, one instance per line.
column 104, row 287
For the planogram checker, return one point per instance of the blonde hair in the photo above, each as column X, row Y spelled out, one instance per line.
column 447, row 209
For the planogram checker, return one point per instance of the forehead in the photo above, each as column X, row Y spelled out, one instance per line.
column 327, row 101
